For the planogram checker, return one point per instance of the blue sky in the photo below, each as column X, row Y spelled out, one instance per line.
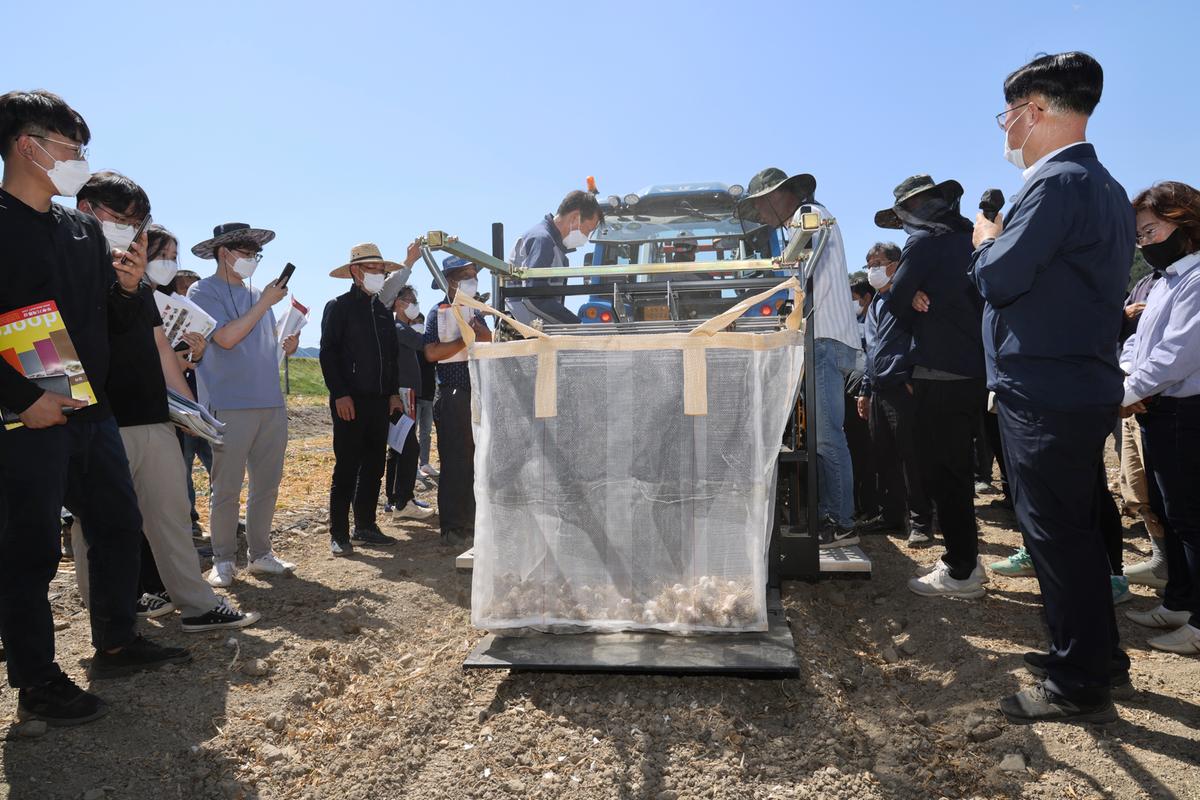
column 336, row 123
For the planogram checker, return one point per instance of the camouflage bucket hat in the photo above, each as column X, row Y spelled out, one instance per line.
column 769, row 180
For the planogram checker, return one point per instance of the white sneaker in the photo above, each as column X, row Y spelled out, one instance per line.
column 938, row 583
column 979, row 573
column 429, row 471
column 221, row 574
column 270, row 564
column 1161, row 617
column 1185, row 641
column 413, row 511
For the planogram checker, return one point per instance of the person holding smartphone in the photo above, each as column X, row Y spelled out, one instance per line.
column 239, row 382
column 52, row 253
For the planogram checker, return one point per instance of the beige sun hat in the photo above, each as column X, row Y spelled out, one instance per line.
column 365, row 253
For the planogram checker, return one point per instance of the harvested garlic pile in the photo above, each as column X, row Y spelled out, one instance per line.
column 708, row 602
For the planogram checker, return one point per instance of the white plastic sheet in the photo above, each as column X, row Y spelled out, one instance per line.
column 620, row 511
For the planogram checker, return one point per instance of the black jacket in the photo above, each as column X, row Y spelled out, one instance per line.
column 410, row 344
column 1054, row 281
column 61, row 255
column 358, row 346
column 949, row 336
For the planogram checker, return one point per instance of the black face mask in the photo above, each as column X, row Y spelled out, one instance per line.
column 1161, row 255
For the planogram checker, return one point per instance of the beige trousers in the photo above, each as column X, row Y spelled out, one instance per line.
column 1134, row 489
column 160, row 480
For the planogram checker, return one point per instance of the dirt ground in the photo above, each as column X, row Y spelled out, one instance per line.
column 352, row 687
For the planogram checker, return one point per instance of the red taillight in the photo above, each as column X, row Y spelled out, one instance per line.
column 605, row 316
column 765, row 311
column 590, row 313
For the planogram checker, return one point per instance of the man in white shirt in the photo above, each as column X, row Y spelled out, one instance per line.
column 777, row 200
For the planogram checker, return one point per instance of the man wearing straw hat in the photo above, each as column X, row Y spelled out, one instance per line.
column 239, row 381
column 359, row 360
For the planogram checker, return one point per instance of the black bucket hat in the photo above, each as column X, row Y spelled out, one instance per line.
column 229, row 233
column 951, row 191
column 772, row 179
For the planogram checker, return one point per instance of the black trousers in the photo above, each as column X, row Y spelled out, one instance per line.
column 1054, row 459
column 947, row 416
column 982, row 453
column 401, row 476
column 991, row 426
column 862, row 458
column 1171, row 437
column 456, row 450
column 892, row 418
column 358, row 451
column 82, row 466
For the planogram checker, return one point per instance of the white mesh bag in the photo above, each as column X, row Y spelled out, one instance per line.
column 627, row 482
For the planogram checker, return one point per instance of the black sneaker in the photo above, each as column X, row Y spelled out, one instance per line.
column 1039, row 704
column 140, row 655
column 372, row 535
column 340, row 545
column 59, row 703
column 222, row 617
column 154, row 604
column 1119, row 683
column 834, row 535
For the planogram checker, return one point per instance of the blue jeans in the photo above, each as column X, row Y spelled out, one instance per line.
column 424, row 427
column 192, row 448
column 835, row 473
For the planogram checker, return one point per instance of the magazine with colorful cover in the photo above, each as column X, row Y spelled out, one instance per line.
column 34, row 341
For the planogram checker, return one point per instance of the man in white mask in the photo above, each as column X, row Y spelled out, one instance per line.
column 50, row 253
column 1053, row 271
column 239, row 381
column 359, row 353
column 547, row 244
column 401, row 474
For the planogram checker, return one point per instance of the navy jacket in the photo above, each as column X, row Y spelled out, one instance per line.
column 1054, row 281
column 946, row 337
column 888, row 346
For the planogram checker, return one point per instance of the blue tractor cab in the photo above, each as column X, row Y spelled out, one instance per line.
column 677, row 223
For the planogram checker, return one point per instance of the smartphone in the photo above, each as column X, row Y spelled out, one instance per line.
column 138, row 234
column 286, row 275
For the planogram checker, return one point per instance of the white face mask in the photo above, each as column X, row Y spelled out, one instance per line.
column 68, row 177
column 372, row 282
column 119, row 236
column 412, row 311
column 469, row 287
column 419, row 327
column 575, row 239
column 161, row 271
column 1016, row 157
column 878, row 277
column 245, row 267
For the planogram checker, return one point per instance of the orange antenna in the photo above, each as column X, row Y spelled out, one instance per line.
column 591, row 184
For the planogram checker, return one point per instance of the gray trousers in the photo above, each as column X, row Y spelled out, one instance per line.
column 255, row 443
column 160, row 481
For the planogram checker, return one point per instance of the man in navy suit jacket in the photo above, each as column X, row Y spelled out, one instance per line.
column 1053, row 277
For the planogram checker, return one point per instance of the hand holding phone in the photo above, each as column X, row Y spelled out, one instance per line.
column 286, row 275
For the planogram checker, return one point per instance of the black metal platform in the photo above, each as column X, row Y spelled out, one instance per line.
column 750, row 655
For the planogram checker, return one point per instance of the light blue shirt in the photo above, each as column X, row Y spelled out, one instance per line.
column 246, row 376
column 1163, row 357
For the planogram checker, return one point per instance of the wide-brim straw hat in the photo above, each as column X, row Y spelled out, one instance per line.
column 230, row 233
column 951, row 191
column 361, row 254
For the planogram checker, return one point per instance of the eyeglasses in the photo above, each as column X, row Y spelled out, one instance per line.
column 1147, row 233
column 80, row 151
column 253, row 256
column 1003, row 114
